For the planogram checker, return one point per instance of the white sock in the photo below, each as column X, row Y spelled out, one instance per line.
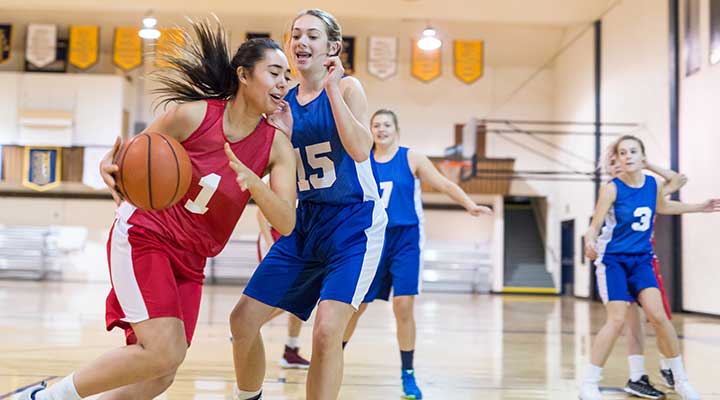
column 664, row 363
column 637, row 367
column 593, row 374
column 243, row 395
column 678, row 370
column 293, row 342
column 63, row 390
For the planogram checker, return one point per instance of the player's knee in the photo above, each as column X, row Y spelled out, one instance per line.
column 325, row 334
column 656, row 316
column 616, row 322
column 163, row 383
column 403, row 310
column 237, row 316
column 171, row 358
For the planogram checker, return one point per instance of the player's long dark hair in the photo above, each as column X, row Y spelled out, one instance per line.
column 201, row 68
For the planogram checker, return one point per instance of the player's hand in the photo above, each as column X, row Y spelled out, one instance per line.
column 591, row 249
column 246, row 178
column 108, row 168
column 477, row 210
column 282, row 119
column 712, row 205
column 335, row 72
column 683, row 179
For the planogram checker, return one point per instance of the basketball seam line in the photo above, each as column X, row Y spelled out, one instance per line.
column 177, row 168
column 149, row 168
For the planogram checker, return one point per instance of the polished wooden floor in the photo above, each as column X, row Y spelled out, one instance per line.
column 469, row 347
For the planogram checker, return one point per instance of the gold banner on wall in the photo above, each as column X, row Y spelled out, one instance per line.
column 41, row 167
column 127, row 48
column 468, row 56
column 167, row 44
column 426, row 65
column 84, row 46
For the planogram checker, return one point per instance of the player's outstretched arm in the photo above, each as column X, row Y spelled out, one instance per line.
column 427, row 172
column 671, row 207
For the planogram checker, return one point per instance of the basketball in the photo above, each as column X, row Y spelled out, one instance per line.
column 154, row 171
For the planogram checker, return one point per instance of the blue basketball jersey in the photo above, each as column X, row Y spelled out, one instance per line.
column 399, row 190
column 326, row 172
column 629, row 223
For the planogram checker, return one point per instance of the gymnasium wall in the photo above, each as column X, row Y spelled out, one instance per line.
column 699, row 144
column 634, row 89
column 427, row 111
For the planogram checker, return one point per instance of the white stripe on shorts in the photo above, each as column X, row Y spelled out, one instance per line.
column 601, row 279
column 123, row 275
column 375, row 235
column 421, row 227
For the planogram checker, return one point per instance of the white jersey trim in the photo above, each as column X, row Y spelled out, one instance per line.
column 421, row 230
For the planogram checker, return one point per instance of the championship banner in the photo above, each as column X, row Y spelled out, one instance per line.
column 127, row 48
column 84, row 46
column 468, row 56
column 347, row 55
column 425, row 64
column 41, row 167
column 41, row 45
column 5, row 42
column 382, row 56
column 167, row 44
column 257, row 35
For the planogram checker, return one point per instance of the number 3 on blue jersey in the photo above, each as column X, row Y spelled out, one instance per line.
column 315, row 158
column 644, row 213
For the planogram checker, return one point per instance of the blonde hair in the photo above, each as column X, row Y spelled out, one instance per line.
column 332, row 27
column 609, row 153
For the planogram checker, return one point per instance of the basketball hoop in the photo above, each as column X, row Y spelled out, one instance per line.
column 453, row 169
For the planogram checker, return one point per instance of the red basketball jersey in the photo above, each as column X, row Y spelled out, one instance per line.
column 275, row 234
column 203, row 220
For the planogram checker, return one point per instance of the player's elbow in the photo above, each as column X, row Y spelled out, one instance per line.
column 288, row 225
column 360, row 154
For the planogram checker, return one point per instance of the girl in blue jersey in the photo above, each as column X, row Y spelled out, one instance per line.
column 639, row 383
column 399, row 172
column 628, row 204
column 333, row 253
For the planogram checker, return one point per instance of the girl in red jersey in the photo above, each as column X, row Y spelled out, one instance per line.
column 157, row 258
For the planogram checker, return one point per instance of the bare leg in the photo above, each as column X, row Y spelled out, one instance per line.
column 159, row 352
column 403, row 306
column 246, row 319
column 326, row 369
column 608, row 334
column 352, row 325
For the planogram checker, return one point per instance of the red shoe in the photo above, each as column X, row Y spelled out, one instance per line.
column 292, row 360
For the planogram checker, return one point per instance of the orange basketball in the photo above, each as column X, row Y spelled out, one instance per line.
column 154, row 172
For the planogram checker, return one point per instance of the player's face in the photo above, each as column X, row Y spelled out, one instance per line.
column 383, row 129
column 614, row 166
column 630, row 155
column 270, row 81
column 309, row 45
